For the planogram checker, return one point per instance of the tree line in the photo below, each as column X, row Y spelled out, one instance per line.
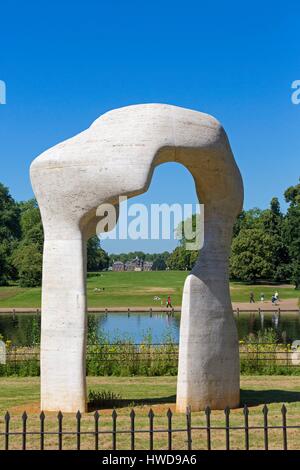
column 266, row 244
column 22, row 239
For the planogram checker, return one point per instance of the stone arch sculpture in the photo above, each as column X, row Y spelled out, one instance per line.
column 117, row 156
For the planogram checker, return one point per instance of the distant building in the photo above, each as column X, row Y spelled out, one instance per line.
column 118, row 266
column 147, row 266
column 133, row 265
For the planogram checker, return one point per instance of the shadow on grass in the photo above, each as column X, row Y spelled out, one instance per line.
column 125, row 403
column 264, row 397
column 248, row 397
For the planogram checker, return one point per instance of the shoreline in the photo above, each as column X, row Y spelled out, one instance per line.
column 284, row 306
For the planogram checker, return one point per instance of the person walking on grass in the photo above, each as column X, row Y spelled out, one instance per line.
column 169, row 303
column 252, row 300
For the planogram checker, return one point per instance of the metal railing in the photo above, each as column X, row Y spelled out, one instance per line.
column 77, row 437
column 277, row 354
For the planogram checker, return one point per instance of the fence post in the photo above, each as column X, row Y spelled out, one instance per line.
column 227, row 424
column 151, row 431
column 266, row 437
column 246, row 421
column 284, row 431
column 78, row 426
column 96, row 418
column 42, row 430
column 169, row 415
column 189, row 427
column 60, row 419
column 114, row 429
column 207, row 414
column 132, row 428
column 24, row 430
column 7, row 419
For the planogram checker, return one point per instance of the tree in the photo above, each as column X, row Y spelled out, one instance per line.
column 97, row 258
column 10, row 232
column 159, row 264
column 252, row 255
column 28, row 260
column 292, row 231
column 28, row 255
column 182, row 259
column 269, row 221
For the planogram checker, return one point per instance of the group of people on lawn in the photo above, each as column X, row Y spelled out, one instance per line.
column 274, row 298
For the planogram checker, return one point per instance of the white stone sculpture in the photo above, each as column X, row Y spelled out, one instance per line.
column 117, row 156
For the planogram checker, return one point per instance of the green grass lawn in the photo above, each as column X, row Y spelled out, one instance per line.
column 18, row 394
column 130, row 289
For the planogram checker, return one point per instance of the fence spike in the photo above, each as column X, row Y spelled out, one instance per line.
column 78, row 415
column 169, row 413
column 265, row 410
column 42, row 415
column 114, row 413
column 246, row 410
column 24, row 416
column 60, row 415
column 227, row 411
column 284, row 427
column 283, row 409
column 151, row 413
column 189, row 427
column 266, row 435
column 132, row 413
column 7, row 420
column 207, row 411
column 96, row 415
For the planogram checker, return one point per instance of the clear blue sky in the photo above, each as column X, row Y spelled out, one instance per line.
column 67, row 62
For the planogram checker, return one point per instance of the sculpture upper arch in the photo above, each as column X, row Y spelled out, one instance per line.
column 116, row 156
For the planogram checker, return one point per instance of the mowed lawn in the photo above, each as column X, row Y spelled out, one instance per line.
column 19, row 394
column 132, row 289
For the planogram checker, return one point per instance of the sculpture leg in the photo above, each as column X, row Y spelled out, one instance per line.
column 208, row 370
column 63, row 329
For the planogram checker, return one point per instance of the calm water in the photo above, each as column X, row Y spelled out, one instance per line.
column 25, row 329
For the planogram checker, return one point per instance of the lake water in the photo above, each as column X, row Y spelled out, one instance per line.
column 25, row 329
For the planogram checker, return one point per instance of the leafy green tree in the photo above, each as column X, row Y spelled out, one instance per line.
column 28, row 256
column 252, row 255
column 97, row 258
column 292, row 231
column 271, row 222
column 182, row 259
column 10, row 232
column 159, row 264
column 28, row 260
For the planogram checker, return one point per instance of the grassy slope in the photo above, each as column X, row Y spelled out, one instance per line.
column 18, row 394
column 136, row 289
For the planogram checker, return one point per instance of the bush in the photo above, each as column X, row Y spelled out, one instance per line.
column 103, row 399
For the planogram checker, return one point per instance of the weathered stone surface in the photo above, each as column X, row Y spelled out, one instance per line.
column 117, row 156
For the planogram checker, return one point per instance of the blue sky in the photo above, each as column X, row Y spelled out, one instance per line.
column 67, row 62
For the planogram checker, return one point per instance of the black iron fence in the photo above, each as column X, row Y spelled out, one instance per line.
column 150, row 436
